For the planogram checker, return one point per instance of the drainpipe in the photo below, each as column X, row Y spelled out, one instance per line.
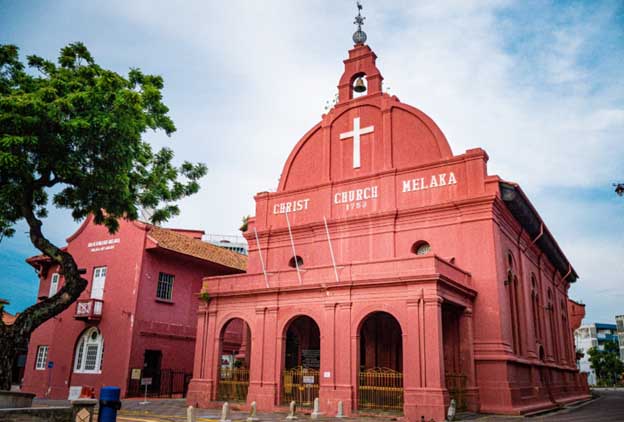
column 568, row 273
column 541, row 233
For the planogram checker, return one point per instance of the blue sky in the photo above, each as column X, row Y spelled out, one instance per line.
column 537, row 84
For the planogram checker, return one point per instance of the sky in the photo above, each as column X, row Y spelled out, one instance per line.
column 537, row 84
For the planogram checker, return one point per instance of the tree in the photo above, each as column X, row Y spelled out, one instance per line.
column 606, row 362
column 73, row 131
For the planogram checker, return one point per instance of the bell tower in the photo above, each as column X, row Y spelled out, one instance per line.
column 359, row 65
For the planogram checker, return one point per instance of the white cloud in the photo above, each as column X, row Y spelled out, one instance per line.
column 245, row 80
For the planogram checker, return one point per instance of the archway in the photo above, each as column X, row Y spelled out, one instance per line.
column 302, row 361
column 380, row 372
column 234, row 354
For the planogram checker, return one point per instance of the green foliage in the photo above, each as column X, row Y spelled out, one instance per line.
column 245, row 224
column 205, row 296
column 606, row 363
column 73, row 130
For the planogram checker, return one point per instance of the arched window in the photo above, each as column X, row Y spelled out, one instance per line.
column 421, row 248
column 512, row 287
column 552, row 324
column 535, row 308
column 89, row 351
column 295, row 261
column 567, row 350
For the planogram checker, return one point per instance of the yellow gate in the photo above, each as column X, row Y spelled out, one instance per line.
column 233, row 384
column 456, row 386
column 380, row 389
column 301, row 385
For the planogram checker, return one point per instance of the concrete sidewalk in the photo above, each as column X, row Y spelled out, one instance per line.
column 609, row 407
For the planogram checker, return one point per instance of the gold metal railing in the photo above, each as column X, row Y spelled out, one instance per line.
column 380, row 389
column 233, row 384
column 456, row 386
column 301, row 385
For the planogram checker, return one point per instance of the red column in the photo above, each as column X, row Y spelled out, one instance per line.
column 431, row 398
column 256, row 363
column 202, row 387
column 266, row 360
column 466, row 336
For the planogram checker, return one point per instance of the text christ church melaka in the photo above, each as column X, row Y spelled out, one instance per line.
column 391, row 275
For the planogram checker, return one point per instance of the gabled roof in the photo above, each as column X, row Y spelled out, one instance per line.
column 176, row 242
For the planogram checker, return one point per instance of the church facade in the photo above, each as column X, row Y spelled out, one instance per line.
column 390, row 275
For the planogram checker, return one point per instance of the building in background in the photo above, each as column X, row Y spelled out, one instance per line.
column 236, row 244
column 593, row 335
column 619, row 323
column 135, row 319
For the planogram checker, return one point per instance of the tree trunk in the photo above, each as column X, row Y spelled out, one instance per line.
column 7, row 357
column 11, row 336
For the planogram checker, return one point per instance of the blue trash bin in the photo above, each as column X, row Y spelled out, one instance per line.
column 109, row 404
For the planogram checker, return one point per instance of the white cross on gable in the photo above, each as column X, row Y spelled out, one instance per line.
column 355, row 134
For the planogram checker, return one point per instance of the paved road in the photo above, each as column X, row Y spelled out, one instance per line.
column 608, row 408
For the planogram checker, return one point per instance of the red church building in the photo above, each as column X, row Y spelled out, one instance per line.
column 390, row 274
column 136, row 318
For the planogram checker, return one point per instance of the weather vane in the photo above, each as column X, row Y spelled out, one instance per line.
column 359, row 36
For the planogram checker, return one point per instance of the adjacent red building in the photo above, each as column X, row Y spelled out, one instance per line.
column 390, row 274
column 137, row 312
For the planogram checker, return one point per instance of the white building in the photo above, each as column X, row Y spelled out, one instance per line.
column 594, row 335
column 236, row 244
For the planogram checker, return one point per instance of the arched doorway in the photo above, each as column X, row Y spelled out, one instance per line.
column 234, row 354
column 380, row 372
column 302, row 361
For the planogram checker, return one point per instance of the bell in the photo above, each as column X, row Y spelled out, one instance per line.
column 359, row 85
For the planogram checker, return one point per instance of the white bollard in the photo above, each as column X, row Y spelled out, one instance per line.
column 191, row 414
column 317, row 409
column 291, row 414
column 340, row 413
column 450, row 416
column 225, row 413
column 252, row 413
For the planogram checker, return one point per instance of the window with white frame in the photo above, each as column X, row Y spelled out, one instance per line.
column 164, row 290
column 54, row 282
column 42, row 358
column 89, row 352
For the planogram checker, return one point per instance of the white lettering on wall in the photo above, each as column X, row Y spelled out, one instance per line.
column 356, row 198
column 435, row 181
column 103, row 245
column 291, row 206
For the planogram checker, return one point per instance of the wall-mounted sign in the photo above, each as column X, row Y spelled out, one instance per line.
column 435, row 181
column 103, row 245
column 136, row 374
column 291, row 206
column 308, row 379
column 311, row 358
column 74, row 392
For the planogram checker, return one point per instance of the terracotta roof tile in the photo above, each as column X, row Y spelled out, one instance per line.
column 168, row 239
column 8, row 319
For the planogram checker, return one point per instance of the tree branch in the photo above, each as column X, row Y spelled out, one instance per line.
column 74, row 285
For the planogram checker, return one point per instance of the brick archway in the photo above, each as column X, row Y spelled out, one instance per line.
column 233, row 360
column 379, row 367
column 301, row 359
